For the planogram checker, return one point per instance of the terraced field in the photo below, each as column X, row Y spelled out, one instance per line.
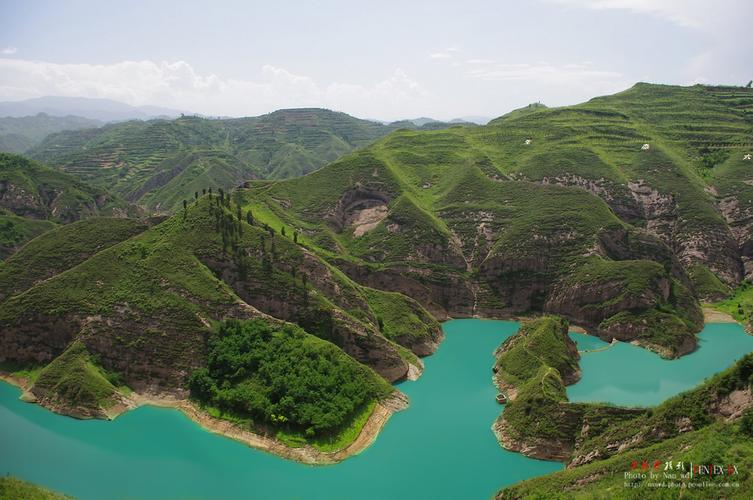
column 161, row 162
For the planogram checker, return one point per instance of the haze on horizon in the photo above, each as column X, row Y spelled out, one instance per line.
column 388, row 61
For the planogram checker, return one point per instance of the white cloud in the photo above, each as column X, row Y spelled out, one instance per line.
column 9, row 51
column 479, row 61
column 178, row 85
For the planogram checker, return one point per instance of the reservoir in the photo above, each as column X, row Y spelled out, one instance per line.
column 441, row 447
column 628, row 375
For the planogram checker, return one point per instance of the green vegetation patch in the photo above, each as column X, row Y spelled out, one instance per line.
column 12, row 488
column 75, row 379
column 542, row 342
column 280, row 376
column 15, row 231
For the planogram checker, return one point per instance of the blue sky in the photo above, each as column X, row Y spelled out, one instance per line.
column 383, row 60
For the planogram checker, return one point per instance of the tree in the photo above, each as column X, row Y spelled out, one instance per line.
column 295, row 236
column 240, row 215
column 203, row 191
column 750, row 84
column 185, row 205
column 210, row 192
column 282, row 231
column 305, row 279
column 746, row 422
column 196, row 195
column 250, row 218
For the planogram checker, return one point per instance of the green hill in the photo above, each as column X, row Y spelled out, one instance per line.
column 34, row 198
column 159, row 163
column 711, row 424
column 579, row 221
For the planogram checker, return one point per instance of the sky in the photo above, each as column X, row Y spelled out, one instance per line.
column 381, row 60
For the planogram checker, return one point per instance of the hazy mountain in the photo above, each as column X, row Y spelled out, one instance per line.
column 106, row 110
column 19, row 134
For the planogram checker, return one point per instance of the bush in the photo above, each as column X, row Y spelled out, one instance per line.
column 280, row 375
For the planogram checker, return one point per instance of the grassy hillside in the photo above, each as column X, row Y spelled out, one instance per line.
column 539, row 343
column 711, row 424
column 13, row 489
column 145, row 305
column 159, row 163
column 74, row 384
column 15, row 231
column 19, row 134
column 557, row 210
column 30, row 189
column 61, row 249
column 34, row 197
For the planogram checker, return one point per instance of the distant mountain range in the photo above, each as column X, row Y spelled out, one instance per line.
column 159, row 163
column 105, row 110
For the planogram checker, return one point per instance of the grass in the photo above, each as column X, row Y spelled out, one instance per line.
column 12, row 488
column 719, row 444
column 61, row 249
column 15, row 231
column 740, row 304
column 338, row 441
column 74, row 379
column 542, row 342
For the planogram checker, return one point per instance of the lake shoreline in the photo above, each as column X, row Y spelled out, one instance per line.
column 307, row 454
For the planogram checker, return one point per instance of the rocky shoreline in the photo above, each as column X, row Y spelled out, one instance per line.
column 306, row 454
column 552, row 450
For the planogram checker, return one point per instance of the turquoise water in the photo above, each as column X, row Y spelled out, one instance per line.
column 440, row 447
column 632, row 376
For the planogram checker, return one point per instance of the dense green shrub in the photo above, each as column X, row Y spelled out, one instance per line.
column 282, row 376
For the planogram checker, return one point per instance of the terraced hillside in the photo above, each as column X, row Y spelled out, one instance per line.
column 159, row 163
column 558, row 210
column 34, row 198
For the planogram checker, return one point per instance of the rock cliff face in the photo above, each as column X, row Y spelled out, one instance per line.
column 144, row 306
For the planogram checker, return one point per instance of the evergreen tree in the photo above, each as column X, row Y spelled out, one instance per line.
column 250, row 218
column 295, row 236
column 282, row 231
